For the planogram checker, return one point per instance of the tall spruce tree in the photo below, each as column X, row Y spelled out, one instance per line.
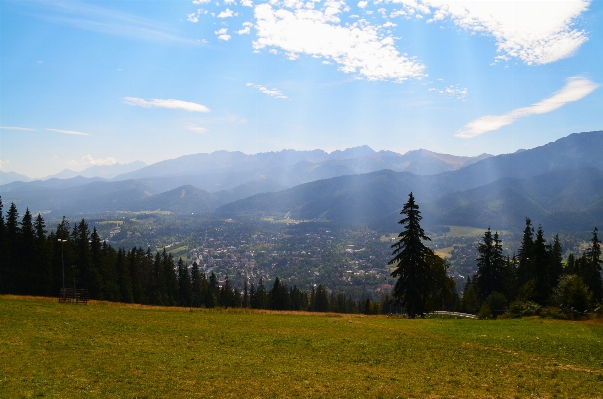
column 490, row 275
column 185, row 288
column 591, row 270
column 524, row 272
column 27, row 257
column 540, row 265
column 3, row 262
column 411, row 262
column 11, row 248
column 43, row 266
column 556, row 262
column 196, row 286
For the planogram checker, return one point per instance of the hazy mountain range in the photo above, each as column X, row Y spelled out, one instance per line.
column 559, row 184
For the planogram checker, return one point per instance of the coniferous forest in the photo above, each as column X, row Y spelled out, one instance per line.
column 37, row 262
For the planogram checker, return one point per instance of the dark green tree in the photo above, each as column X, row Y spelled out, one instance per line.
column 524, row 267
column 25, row 276
column 185, row 287
column 245, row 302
column 213, row 290
column 43, row 266
column 279, row 296
column 411, row 262
column 123, row 276
column 197, row 286
column 3, row 262
column 171, row 280
column 490, row 275
column 11, row 249
column 591, row 270
column 556, row 262
column 541, row 269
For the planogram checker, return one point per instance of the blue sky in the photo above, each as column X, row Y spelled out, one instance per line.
column 91, row 83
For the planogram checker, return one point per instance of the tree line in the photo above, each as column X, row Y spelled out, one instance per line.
column 523, row 284
column 33, row 262
column 535, row 277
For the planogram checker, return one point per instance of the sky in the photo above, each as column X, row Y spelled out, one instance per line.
column 104, row 82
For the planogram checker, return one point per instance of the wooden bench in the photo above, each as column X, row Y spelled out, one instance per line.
column 77, row 296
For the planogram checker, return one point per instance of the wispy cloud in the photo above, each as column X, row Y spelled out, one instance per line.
column 72, row 132
column 271, row 92
column 575, row 89
column 105, row 20
column 17, row 128
column 197, row 129
column 3, row 163
column 169, row 103
column 452, row 91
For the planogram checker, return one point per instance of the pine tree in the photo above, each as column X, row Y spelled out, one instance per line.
column 211, row 298
column 185, row 287
column 556, row 262
column 159, row 296
column 245, row 302
column 123, row 273
column 279, row 296
column 196, row 283
column 43, row 267
column 410, row 260
column 95, row 282
column 490, row 275
column 111, row 287
column 171, row 280
column 81, row 268
column 25, row 278
column 540, row 268
column 259, row 299
column 11, row 249
column 524, row 272
column 135, row 261
column 591, row 271
column 3, row 261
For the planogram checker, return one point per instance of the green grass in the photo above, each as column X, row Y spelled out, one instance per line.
column 66, row 351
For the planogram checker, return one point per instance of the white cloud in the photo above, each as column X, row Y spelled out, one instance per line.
column 17, row 128
column 535, row 31
column 201, row 1
column 72, row 132
column 88, row 160
column 230, row 2
column 452, row 91
column 197, row 129
column 194, row 17
column 3, row 163
column 227, row 14
column 247, row 3
column 271, row 92
column 575, row 89
column 222, row 31
column 169, row 103
column 245, row 31
column 224, row 37
column 358, row 48
column 362, row 4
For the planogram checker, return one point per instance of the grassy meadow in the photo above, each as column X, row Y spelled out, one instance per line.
column 49, row 349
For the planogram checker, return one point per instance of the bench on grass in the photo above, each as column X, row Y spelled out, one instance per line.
column 77, row 296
